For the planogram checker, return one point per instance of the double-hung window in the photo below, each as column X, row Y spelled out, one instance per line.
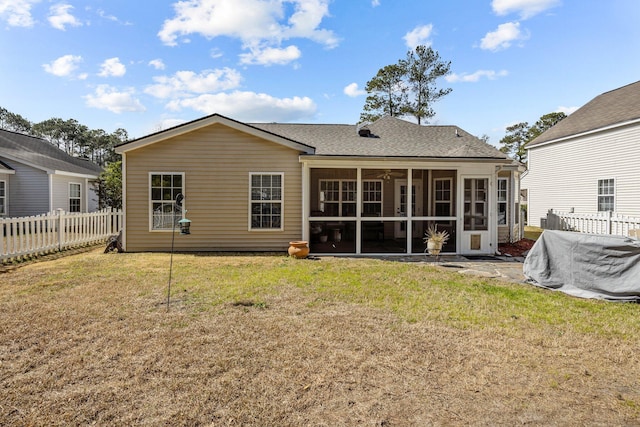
column 371, row 198
column 502, row 200
column 266, row 190
column 3, row 198
column 443, row 196
column 338, row 197
column 75, row 197
column 164, row 187
column 606, row 195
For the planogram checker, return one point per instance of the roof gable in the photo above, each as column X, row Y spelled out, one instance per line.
column 40, row 154
column 614, row 108
column 208, row 121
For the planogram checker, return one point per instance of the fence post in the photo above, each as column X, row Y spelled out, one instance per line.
column 60, row 229
column 609, row 222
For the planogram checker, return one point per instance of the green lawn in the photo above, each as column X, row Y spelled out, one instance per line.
column 270, row 340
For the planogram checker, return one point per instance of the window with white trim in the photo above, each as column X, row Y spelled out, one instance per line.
column 3, row 198
column 606, row 194
column 265, row 209
column 503, row 196
column 164, row 187
column 372, row 198
column 75, row 197
column 338, row 197
column 443, row 196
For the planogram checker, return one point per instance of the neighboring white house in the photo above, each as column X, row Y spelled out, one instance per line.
column 590, row 161
column 36, row 177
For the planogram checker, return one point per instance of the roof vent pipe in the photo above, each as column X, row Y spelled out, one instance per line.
column 364, row 131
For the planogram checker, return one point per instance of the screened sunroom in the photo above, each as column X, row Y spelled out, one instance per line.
column 380, row 210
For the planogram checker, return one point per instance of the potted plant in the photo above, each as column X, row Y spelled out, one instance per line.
column 435, row 240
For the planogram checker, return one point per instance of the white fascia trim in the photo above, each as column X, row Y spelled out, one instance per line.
column 198, row 124
column 73, row 174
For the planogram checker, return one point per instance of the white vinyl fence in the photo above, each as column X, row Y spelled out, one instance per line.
column 597, row 223
column 55, row 231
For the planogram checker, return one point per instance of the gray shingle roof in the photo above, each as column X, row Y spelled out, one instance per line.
column 610, row 108
column 391, row 137
column 41, row 154
column 4, row 167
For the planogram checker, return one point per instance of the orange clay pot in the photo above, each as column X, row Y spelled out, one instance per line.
column 299, row 249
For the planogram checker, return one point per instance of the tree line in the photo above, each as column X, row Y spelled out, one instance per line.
column 69, row 135
column 78, row 140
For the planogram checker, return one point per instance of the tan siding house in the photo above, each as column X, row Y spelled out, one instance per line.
column 217, row 162
column 346, row 190
column 589, row 161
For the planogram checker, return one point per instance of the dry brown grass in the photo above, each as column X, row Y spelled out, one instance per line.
column 88, row 339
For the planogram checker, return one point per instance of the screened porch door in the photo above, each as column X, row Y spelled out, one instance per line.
column 400, row 207
column 475, row 234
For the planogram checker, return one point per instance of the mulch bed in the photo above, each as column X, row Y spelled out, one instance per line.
column 516, row 249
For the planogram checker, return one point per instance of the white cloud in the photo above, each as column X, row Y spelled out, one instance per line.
column 502, row 37
column 112, row 67
column 526, row 8
column 187, row 83
column 419, row 36
column 250, row 106
column 375, row 3
column 158, row 64
column 474, row 77
column 259, row 24
column 60, row 16
column 271, row 55
column 109, row 98
column 63, row 66
column 353, row 91
column 17, row 13
column 216, row 53
column 566, row 110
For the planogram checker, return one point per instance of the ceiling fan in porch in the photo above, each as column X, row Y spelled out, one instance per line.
column 388, row 174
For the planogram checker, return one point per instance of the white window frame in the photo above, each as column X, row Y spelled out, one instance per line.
column 606, row 195
column 341, row 196
column 169, row 202
column 502, row 198
column 369, row 192
column 437, row 201
column 262, row 201
column 3, row 197
column 77, row 198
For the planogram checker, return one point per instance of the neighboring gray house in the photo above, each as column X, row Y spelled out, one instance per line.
column 36, row 177
column 346, row 189
column 590, row 161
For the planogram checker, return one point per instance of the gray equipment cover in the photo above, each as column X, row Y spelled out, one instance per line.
column 586, row 265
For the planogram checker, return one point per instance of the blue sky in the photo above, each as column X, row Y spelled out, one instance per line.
column 148, row 65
